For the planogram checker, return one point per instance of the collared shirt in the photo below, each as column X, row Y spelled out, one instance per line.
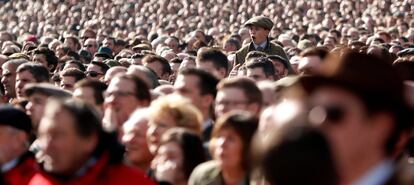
column 377, row 175
column 9, row 165
column 262, row 45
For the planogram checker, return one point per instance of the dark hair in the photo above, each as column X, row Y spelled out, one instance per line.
column 265, row 64
column 73, row 72
column 75, row 41
column 245, row 125
column 207, row 82
column 97, row 86
column 191, row 146
column 141, row 88
column 320, row 52
column 39, row 72
column 218, row 58
column 101, row 65
column 248, row 86
column 166, row 68
column 49, row 55
column 299, row 155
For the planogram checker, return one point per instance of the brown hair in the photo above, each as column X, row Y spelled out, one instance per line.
column 248, row 86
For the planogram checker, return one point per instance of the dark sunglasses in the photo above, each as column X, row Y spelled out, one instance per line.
column 88, row 45
column 92, row 73
column 330, row 113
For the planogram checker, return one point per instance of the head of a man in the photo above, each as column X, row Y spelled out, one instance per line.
column 46, row 57
column 362, row 116
column 29, row 73
column 259, row 28
column 67, row 125
column 260, row 69
column 37, row 95
column 90, row 45
column 8, row 78
column 199, row 86
column 96, row 70
column 311, row 59
column 91, row 92
column 239, row 93
column 68, row 78
column 213, row 61
column 124, row 94
column 159, row 65
column 15, row 129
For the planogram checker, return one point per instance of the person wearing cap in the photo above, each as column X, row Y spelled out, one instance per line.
column 17, row 164
column 363, row 118
column 103, row 54
column 259, row 29
column 281, row 65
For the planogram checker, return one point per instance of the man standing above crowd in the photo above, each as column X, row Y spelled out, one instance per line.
column 259, row 29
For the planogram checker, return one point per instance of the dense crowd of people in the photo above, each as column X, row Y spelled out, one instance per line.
column 271, row 92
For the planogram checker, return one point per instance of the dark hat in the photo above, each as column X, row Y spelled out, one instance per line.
column 104, row 52
column 370, row 78
column 85, row 54
column 280, row 59
column 16, row 118
column 260, row 21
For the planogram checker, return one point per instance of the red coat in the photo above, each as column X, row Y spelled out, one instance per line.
column 22, row 172
column 101, row 173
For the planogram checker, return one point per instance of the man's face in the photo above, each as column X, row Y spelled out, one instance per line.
column 232, row 98
column 135, row 142
column 9, row 141
column 8, row 80
column 120, row 96
column 349, row 129
column 108, row 43
column 35, row 107
column 94, row 72
column 22, row 79
column 280, row 68
column 71, row 44
column 40, row 58
column 258, row 34
column 65, row 151
column 209, row 67
column 188, row 86
column 257, row 74
column 67, row 83
column 157, row 68
column 85, row 94
column 91, row 46
column 309, row 65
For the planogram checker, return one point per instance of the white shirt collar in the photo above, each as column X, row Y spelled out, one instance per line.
column 377, row 175
column 263, row 45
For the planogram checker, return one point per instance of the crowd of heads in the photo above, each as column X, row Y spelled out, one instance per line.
column 206, row 92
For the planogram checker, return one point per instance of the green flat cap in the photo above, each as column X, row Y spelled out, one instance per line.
column 260, row 21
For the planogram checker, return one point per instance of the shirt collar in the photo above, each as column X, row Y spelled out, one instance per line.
column 263, row 44
column 9, row 165
column 377, row 175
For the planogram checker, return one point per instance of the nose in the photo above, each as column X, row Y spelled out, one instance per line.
column 29, row 106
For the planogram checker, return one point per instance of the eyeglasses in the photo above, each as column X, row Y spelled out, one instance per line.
column 330, row 113
column 88, row 45
column 118, row 94
column 92, row 73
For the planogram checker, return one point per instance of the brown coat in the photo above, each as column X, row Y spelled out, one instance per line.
column 270, row 49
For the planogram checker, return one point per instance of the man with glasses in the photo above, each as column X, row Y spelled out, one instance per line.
column 90, row 45
column 359, row 104
column 124, row 94
column 96, row 70
column 238, row 93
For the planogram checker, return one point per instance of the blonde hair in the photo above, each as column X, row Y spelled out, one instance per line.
column 180, row 109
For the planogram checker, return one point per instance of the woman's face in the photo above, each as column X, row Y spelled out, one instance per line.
column 171, row 152
column 228, row 149
column 158, row 123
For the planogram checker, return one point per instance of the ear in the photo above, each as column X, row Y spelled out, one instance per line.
column 254, row 108
column 222, row 72
column 207, row 100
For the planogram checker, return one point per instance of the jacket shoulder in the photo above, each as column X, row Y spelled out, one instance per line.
column 122, row 174
column 207, row 173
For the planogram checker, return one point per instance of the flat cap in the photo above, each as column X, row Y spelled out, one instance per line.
column 15, row 118
column 261, row 21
